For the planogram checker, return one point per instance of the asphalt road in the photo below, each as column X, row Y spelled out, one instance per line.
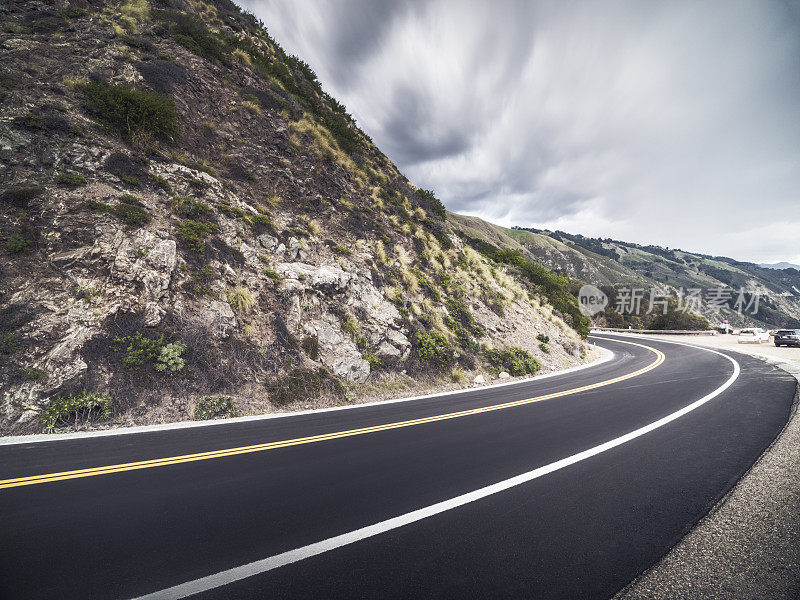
column 581, row 531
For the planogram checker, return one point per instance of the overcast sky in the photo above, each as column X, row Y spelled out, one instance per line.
column 675, row 123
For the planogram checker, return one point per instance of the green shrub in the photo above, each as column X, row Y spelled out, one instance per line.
column 274, row 275
column 214, row 407
column 433, row 347
column 15, row 244
column 434, row 203
column 199, row 284
column 303, row 385
column 131, row 211
column 190, row 208
column 80, row 407
column 311, row 346
column 71, row 179
column 48, row 24
column 240, row 298
column 72, row 12
column 678, row 319
column 130, row 180
column 350, row 326
column 513, row 359
column 202, row 166
column 460, row 312
column 162, row 183
column 20, row 196
column 544, row 339
column 9, row 343
column 129, row 112
column 426, row 284
column 100, row 207
column 193, row 34
column 170, row 357
column 375, row 363
column 341, row 251
column 260, row 223
column 138, row 349
column 544, row 347
column 193, row 233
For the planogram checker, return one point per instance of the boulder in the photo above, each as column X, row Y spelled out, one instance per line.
column 503, row 375
column 295, row 250
column 386, row 350
column 268, row 242
column 337, row 351
column 325, row 277
column 219, row 317
column 479, row 380
column 351, row 367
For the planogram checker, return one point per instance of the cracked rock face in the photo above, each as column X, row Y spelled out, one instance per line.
column 319, row 278
column 360, row 296
column 220, row 318
column 145, row 258
column 337, row 350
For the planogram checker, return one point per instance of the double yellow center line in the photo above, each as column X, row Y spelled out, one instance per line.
column 185, row 458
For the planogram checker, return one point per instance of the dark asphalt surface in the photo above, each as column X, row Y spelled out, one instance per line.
column 582, row 532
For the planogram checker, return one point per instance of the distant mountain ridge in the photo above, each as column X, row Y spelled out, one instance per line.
column 780, row 266
column 613, row 264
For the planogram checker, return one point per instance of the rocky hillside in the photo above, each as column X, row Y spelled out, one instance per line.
column 193, row 228
column 612, row 265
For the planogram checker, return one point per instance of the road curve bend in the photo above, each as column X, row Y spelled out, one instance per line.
column 561, row 487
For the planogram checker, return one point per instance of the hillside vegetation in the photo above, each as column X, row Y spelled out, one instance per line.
column 613, row 266
column 195, row 229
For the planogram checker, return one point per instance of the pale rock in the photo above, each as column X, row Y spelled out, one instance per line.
column 268, row 242
column 385, row 349
column 325, row 277
column 503, row 375
column 479, row 380
column 220, row 318
column 337, row 351
column 153, row 313
column 295, row 249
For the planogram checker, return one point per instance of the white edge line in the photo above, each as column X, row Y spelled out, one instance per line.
column 606, row 355
column 273, row 562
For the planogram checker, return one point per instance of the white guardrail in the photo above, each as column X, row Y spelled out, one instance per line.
column 657, row 331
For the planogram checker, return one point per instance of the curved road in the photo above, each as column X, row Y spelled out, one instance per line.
column 558, row 487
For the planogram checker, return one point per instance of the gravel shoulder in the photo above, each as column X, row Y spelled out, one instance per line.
column 748, row 546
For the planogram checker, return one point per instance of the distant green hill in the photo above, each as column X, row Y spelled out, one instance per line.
column 613, row 264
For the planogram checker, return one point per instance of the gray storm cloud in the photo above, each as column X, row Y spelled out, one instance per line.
column 669, row 123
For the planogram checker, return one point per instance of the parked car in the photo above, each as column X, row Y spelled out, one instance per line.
column 787, row 337
column 753, row 335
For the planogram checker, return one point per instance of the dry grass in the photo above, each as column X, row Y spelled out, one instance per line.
column 251, row 107
column 323, row 144
column 241, row 299
column 402, row 256
column 410, row 281
column 314, row 227
column 242, row 56
column 380, row 253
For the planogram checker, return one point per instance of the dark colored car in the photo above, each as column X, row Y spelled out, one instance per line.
column 788, row 337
